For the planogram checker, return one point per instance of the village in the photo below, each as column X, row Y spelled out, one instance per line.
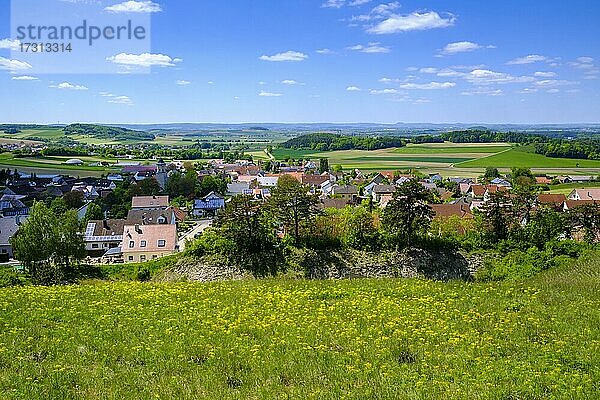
column 155, row 227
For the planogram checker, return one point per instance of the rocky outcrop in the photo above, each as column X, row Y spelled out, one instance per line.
column 410, row 263
column 343, row 264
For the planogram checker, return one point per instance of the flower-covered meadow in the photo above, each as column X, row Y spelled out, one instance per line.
column 360, row 339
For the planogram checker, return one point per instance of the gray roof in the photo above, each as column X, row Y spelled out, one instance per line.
column 149, row 217
column 346, row 189
column 384, row 189
column 8, row 227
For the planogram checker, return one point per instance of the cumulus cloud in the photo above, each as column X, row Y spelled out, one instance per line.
column 483, row 92
column 116, row 99
column 13, row 65
column 377, row 13
column 371, row 48
column 69, row 86
column 143, row 60
column 383, row 91
column 353, row 89
column 269, row 94
column 487, row 77
column 182, row 82
column 530, row 59
column 541, row 74
column 10, row 44
column 292, row 56
column 342, row 3
column 290, row 82
column 462, row 47
column 24, row 78
column 586, row 64
column 428, row 86
column 324, row 51
column 140, row 7
column 417, row 21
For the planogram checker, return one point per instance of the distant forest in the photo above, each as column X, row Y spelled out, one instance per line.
column 331, row 142
column 106, row 132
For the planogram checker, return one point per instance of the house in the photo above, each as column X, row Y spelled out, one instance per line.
column 543, row 180
column 573, row 204
column 236, row 188
column 89, row 191
column 492, row 189
column 501, row 182
column 333, row 203
column 551, row 200
column 8, row 227
column 464, row 187
column 313, row 181
column 151, row 217
column 585, row 194
column 368, row 190
column 435, row 178
column 268, row 181
column 150, row 202
column 402, row 180
column 580, row 178
column 381, row 190
column 100, row 236
column 450, row 210
column 148, row 242
column 11, row 205
column 346, row 192
column 208, row 205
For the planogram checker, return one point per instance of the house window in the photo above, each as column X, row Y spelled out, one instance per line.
column 130, row 258
column 3, row 251
column 94, row 245
column 162, row 243
column 143, row 243
column 154, row 256
column 142, row 258
column 131, row 244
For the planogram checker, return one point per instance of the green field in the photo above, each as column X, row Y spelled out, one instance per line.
column 268, row 339
column 522, row 158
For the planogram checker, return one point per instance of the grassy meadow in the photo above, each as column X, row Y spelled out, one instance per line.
column 359, row 339
column 449, row 159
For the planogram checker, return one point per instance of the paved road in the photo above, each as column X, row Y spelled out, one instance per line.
column 199, row 228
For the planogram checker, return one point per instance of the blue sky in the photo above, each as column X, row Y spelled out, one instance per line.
column 329, row 61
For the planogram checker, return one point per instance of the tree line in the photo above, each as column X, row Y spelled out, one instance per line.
column 331, row 142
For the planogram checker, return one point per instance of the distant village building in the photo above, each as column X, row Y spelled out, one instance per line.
column 208, row 205
column 150, row 202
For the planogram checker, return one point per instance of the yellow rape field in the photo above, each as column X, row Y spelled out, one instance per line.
column 279, row 339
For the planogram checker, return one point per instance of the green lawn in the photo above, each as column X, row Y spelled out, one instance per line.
column 453, row 148
column 271, row 339
column 521, row 158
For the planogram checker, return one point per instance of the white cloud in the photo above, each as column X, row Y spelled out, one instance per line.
column 553, row 91
column 334, row 4
column 69, row 86
column 487, row 77
column 134, row 7
column 371, row 48
column 383, row 91
column 549, row 83
column 182, row 82
column 428, row 86
column 290, row 82
column 269, row 94
column 462, row 47
column 417, row 21
column 586, row 64
column 324, row 51
column 13, row 65
column 378, row 13
column 342, row 3
column 143, row 60
column 530, row 59
column 483, row 92
column 287, row 56
column 115, row 99
column 10, row 44
column 422, row 101
column 24, row 78
column 353, row 89
column 540, row 74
